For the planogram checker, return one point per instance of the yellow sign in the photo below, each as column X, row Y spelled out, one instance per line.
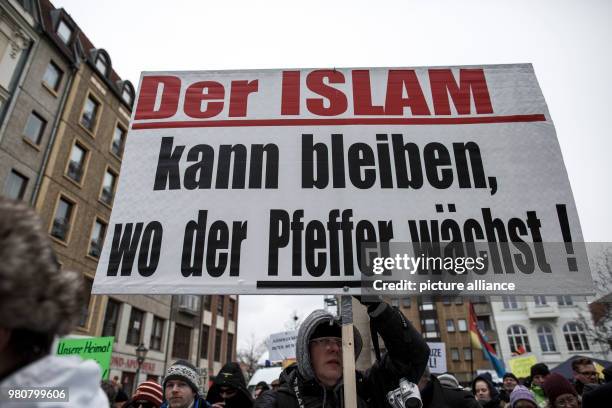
column 521, row 366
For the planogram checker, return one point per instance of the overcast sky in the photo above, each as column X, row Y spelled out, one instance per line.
column 568, row 43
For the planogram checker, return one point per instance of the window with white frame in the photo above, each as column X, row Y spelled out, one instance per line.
column 540, row 300
column 455, row 354
column 546, row 338
column 509, row 302
column 575, row 337
column 518, row 339
column 565, row 300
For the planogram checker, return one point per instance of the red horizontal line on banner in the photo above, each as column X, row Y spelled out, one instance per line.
column 338, row 122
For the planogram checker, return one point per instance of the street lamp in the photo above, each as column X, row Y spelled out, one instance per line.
column 141, row 354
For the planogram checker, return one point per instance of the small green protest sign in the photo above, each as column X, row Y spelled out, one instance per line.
column 90, row 348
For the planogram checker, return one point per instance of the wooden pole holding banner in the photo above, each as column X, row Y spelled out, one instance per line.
column 348, row 352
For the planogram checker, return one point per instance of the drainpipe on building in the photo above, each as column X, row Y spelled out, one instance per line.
column 56, row 122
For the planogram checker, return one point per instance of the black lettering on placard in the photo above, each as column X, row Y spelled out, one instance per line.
column 199, row 175
column 461, row 151
column 500, row 236
column 148, row 255
column 168, row 166
column 279, row 238
column 405, row 179
column 198, row 245
column 125, row 245
column 256, row 168
column 437, row 165
column 238, row 153
column 232, row 161
column 367, row 165
column 360, row 155
column 311, row 154
column 324, row 242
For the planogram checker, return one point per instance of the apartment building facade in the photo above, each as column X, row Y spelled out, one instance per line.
column 550, row 327
column 199, row 329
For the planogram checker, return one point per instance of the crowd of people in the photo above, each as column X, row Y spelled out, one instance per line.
column 38, row 302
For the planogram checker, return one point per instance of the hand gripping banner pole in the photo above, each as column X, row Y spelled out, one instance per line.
column 348, row 352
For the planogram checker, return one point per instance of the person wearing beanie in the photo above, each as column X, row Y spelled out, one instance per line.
column 521, row 397
column 448, row 380
column 444, row 392
column 509, row 382
column 539, row 373
column 229, row 388
column 315, row 379
column 148, row 395
column 39, row 301
column 182, row 386
column 560, row 392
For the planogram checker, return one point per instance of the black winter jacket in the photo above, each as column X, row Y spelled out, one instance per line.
column 407, row 356
column 435, row 395
column 230, row 375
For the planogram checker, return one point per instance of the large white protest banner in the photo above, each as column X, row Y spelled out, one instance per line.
column 272, row 181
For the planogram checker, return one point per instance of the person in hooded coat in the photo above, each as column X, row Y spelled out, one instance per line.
column 444, row 391
column 485, row 392
column 229, row 387
column 38, row 301
column 315, row 380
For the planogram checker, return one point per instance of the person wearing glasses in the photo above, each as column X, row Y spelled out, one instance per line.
column 585, row 375
column 315, row 380
column 229, row 389
column 560, row 392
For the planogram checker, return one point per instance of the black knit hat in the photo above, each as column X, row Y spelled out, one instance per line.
column 539, row 369
column 184, row 371
column 327, row 330
column 511, row 376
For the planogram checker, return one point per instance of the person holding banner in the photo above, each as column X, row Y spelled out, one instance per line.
column 315, row 380
column 39, row 301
